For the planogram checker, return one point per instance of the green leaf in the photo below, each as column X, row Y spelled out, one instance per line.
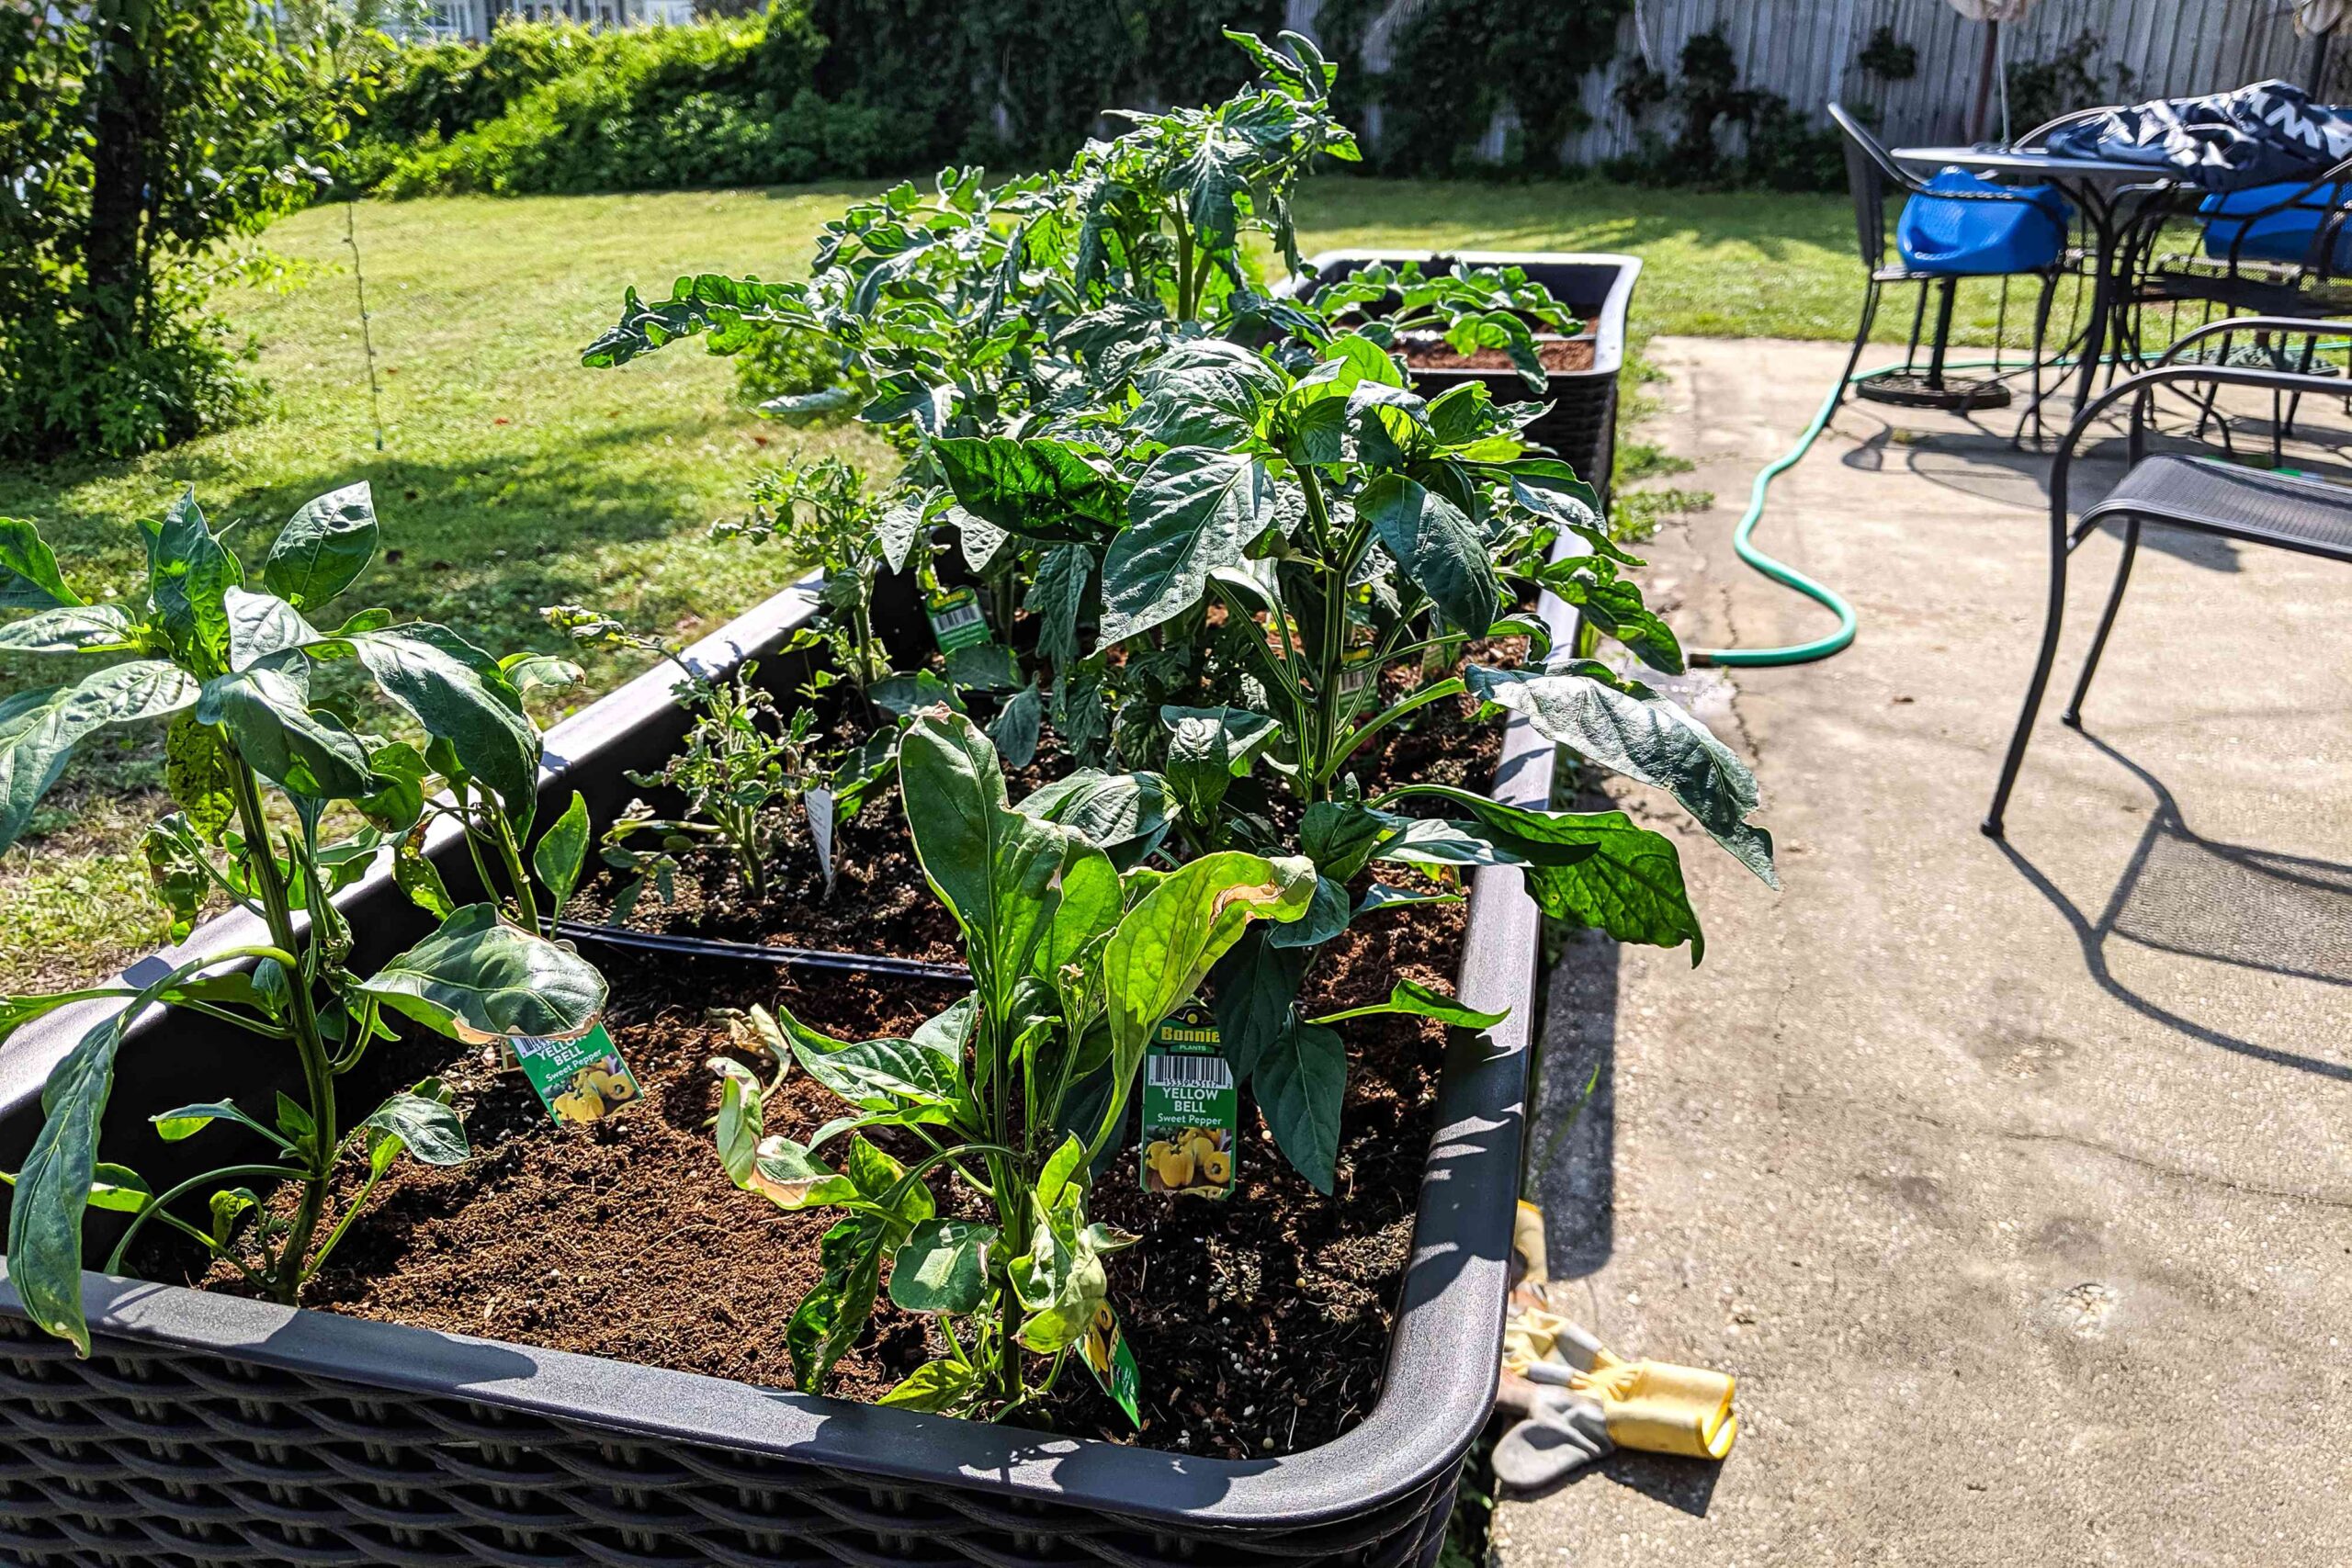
column 1192, row 513
column 1417, row 1000
column 885, row 1074
column 397, row 772
column 228, row 1207
column 460, row 696
column 1199, row 767
column 1326, row 916
column 119, row 1188
column 1301, row 1083
column 1597, row 868
column 1108, row 810
column 1246, row 733
column 1059, row 1281
column 262, row 625
column 70, row 628
column 933, row 1387
column 983, row 667
column 189, row 1120
column 323, row 547
column 1615, row 606
column 420, row 879
column 998, row 870
column 175, row 869
column 267, row 711
column 426, row 1128
column 1435, row 547
column 1058, row 597
column 1038, row 489
column 479, row 978
column 741, row 1109
column 189, row 573
column 39, row 729
column 53, row 1186
column 1256, row 985
column 562, row 849
column 528, row 673
column 28, row 577
column 1165, row 945
column 1205, row 393
column 1645, row 737
column 1054, row 1179
column 787, row 1175
column 943, row 1266
column 199, row 772
column 832, row 1315
column 1017, row 725
column 1465, row 415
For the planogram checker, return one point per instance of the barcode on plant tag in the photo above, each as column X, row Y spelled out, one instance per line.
column 1175, row 1071
column 955, row 617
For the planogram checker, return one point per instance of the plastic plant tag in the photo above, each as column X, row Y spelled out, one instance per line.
column 577, row 1080
column 956, row 620
column 1191, row 1112
column 1104, row 1350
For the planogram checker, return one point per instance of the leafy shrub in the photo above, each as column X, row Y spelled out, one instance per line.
column 139, row 140
column 722, row 103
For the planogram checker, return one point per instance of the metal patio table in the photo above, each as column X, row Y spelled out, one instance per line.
column 2109, row 193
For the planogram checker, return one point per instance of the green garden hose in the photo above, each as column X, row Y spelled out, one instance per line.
column 1742, row 540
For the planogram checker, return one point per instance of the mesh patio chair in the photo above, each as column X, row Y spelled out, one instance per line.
column 2200, row 494
column 1872, row 176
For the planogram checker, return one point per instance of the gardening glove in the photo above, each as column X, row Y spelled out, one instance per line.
column 1564, row 1432
column 1652, row 1405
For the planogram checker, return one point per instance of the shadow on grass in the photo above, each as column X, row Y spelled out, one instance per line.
column 480, row 542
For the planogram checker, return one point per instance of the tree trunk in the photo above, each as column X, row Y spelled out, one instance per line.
column 115, row 277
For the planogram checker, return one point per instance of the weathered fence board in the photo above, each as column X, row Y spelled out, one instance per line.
column 1805, row 49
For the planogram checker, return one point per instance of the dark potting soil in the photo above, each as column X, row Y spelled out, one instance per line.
column 1261, row 1324
column 879, row 905
column 1553, row 353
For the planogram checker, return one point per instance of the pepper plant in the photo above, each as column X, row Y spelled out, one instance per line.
column 228, row 659
column 1015, row 1091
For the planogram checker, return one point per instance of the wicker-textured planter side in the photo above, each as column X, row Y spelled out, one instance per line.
column 208, row 1429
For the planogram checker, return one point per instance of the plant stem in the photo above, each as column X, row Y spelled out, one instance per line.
column 318, row 1071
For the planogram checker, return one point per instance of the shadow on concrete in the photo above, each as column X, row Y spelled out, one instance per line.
column 1687, row 1486
column 1572, row 1162
column 2182, row 893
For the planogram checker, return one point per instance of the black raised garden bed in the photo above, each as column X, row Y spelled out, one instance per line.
column 1582, row 425
column 209, row 1428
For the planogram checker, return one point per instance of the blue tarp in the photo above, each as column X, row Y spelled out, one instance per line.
column 2023, row 232
column 2264, row 134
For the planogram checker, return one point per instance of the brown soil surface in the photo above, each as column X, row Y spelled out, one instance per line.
column 1261, row 1324
column 1554, row 352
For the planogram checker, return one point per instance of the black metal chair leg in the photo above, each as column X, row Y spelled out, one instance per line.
column 2073, row 717
column 1862, row 338
column 2041, row 343
column 2054, row 621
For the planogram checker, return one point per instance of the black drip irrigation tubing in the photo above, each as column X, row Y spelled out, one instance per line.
column 758, row 952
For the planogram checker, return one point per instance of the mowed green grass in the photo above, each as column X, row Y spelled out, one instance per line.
column 511, row 478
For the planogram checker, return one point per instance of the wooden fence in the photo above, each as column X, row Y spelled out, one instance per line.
column 1805, row 50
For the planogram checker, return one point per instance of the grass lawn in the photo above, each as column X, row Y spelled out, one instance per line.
column 511, row 478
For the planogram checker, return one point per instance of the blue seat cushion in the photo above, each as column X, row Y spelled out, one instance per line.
column 2286, row 235
column 2026, row 233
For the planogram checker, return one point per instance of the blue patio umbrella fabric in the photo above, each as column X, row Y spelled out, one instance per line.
column 2266, row 133
column 1965, row 238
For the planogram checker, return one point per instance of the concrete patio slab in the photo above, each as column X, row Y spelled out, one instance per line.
column 2013, row 1183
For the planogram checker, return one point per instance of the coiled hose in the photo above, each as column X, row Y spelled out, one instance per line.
column 1743, row 541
